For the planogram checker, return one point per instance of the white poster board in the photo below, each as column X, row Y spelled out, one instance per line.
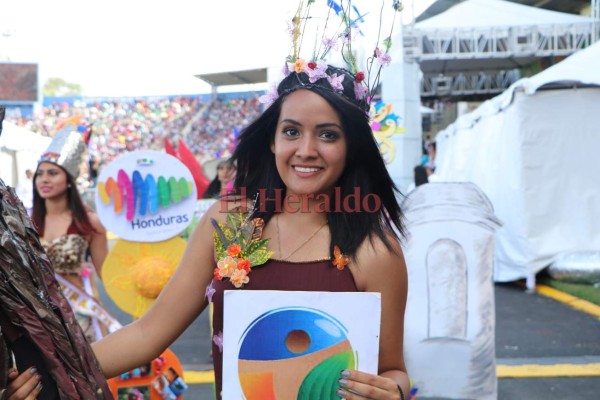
column 284, row 345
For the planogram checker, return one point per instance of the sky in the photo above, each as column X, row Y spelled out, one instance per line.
column 151, row 47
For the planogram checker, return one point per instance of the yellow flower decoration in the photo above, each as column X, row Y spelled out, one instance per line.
column 134, row 273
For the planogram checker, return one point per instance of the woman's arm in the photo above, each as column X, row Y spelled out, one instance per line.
column 98, row 243
column 179, row 303
column 380, row 270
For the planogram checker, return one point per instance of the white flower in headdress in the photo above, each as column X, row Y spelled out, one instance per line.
column 335, row 81
column 316, row 71
column 269, row 97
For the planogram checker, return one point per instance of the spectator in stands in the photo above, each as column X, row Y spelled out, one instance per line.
column 430, row 163
column 221, row 184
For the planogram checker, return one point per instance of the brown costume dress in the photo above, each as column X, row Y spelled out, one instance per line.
column 37, row 322
column 279, row 275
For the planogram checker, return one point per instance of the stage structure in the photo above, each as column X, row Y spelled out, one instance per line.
column 477, row 48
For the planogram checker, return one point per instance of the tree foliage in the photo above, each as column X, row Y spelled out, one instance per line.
column 60, row 87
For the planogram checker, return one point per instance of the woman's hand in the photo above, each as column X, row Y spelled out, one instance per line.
column 26, row 386
column 360, row 385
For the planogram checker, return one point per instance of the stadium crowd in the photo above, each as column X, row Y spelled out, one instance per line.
column 209, row 129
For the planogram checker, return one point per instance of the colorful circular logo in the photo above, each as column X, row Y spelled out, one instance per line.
column 294, row 353
column 146, row 196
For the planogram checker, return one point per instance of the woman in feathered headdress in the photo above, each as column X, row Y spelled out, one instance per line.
column 70, row 232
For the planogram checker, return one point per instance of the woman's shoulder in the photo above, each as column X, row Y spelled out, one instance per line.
column 377, row 259
column 380, row 267
column 95, row 222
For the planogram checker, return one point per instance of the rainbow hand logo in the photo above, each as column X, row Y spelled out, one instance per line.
column 148, row 192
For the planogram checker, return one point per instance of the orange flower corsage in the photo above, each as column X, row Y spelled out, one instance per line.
column 239, row 248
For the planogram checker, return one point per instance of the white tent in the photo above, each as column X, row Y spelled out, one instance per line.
column 534, row 151
column 486, row 13
column 20, row 149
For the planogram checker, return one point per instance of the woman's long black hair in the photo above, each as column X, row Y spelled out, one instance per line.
column 365, row 168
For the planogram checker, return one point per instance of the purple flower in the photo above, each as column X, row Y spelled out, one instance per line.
column 383, row 58
column 286, row 69
column 335, row 81
column 318, row 72
column 218, row 339
column 268, row 98
column 330, row 43
column 210, row 290
column 360, row 90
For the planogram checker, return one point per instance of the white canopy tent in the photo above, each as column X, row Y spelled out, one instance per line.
column 534, row 151
column 485, row 13
column 20, row 149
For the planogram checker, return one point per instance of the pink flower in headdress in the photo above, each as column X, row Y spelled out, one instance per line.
column 383, row 58
column 335, row 81
column 299, row 65
column 360, row 90
column 269, row 97
column 330, row 44
column 316, row 71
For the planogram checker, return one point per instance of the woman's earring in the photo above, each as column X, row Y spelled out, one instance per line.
column 69, row 186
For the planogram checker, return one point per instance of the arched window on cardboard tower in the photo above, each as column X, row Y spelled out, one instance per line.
column 446, row 266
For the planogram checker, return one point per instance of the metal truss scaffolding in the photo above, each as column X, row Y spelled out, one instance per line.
column 484, row 61
column 467, row 83
column 495, row 42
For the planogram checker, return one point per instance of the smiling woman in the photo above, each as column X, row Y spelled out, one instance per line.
column 309, row 144
column 72, row 235
column 313, row 139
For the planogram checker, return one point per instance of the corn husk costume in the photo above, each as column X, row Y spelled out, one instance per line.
column 31, row 299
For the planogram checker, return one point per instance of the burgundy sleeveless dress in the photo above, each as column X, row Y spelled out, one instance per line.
column 316, row 276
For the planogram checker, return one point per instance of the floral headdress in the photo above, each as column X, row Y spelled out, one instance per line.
column 335, row 35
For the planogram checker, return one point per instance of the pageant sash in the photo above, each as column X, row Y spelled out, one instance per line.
column 85, row 304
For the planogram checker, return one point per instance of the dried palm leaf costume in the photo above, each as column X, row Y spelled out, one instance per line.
column 37, row 324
